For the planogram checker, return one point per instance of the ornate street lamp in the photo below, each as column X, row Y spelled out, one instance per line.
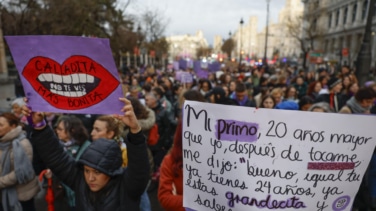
column 241, row 32
column 266, row 34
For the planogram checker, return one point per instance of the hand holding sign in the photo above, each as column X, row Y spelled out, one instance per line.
column 35, row 119
column 129, row 118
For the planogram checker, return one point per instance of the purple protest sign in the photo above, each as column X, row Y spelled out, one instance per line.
column 186, row 78
column 178, row 75
column 182, row 64
column 197, row 66
column 67, row 74
column 202, row 74
column 176, row 65
column 214, row 67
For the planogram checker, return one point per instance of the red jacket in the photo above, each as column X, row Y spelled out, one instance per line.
column 170, row 199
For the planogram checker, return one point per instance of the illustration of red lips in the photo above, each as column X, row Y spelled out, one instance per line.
column 78, row 83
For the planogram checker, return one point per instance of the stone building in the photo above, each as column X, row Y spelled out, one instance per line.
column 341, row 25
column 185, row 46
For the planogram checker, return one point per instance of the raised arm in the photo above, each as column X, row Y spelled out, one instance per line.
column 136, row 175
column 51, row 152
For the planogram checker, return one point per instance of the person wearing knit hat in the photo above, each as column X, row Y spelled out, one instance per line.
column 333, row 82
column 335, row 99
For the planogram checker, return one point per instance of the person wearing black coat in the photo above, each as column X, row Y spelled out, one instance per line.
column 99, row 181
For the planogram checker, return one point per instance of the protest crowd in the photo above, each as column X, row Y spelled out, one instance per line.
column 106, row 162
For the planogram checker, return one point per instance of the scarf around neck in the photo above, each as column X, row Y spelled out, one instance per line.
column 22, row 168
column 355, row 107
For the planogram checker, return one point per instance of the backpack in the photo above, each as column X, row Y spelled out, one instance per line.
column 153, row 136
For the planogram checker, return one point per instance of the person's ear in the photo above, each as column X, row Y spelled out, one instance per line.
column 110, row 134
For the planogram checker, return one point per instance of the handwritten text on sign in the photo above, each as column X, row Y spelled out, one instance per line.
column 238, row 158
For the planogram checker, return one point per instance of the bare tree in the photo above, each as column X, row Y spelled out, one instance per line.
column 203, row 52
column 307, row 31
column 228, row 46
column 153, row 26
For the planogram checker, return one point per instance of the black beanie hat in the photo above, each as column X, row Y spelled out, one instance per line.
column 103, row 155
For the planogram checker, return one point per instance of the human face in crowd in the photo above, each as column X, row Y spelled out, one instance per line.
column 150, row 101
column 337, row 88
column 277, row 97
column 16, row 109
column 367, row 103
column 268, row 103
column 324, row 81
column 95, row 179
column 62, row 134
column 100, row 131
column 299, row 81
column 5, row 127
column 240, row 95
column 134, row 82
column 346, row 81
column 345, row 70
column 354, row 88
column 212, row 99
column 226, row 90
column 232, row 86
column 205, row 87
column 291, row 94
column 317, row 87
column 228, row 79
column 134, row 93
column 305, row 107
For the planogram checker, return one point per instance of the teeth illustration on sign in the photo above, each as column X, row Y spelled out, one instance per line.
column 79, row 82
column 66, row 83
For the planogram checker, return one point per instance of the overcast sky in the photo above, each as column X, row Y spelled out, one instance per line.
column 213, row 17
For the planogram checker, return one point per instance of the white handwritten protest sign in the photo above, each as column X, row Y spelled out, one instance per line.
column 238, row 158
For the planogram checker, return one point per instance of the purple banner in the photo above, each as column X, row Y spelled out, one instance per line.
column 67, row 74
column 176, row 65
column 186, row 77
column 196, row 66
column 182, row 64
column 202, row 74
column 214, row 67
column 231, row 130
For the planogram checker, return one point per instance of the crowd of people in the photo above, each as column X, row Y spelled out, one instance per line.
column 103, row 162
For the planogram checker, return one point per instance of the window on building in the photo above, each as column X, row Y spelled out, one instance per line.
column 330, row 20
column 314, row 24
column 337, row 17
column 326, row 45
column 355, row 7
column 364, row 9
column 345, row 15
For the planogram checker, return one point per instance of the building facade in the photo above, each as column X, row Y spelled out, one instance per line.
column 279, row 41
column 341, row 25
column 185, row 46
